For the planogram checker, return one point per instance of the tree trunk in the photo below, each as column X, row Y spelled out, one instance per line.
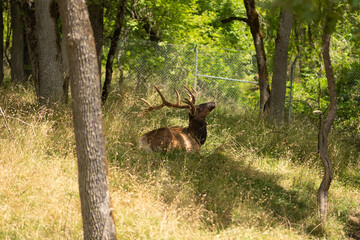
column 1, row 44
column 112, row 51
column 323, row 144
column 17, row 47
column 253, row 22
column 48, row 47
column 278, row 87
column 28, row 8
column 96, row 14
column 98, row 222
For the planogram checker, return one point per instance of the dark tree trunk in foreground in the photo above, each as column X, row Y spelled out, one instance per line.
column 98, row 222
column 17, row 47
column 253, row 21
column 278, row 86
column 1, row 44
column 28, row 8
column 112, row 50
column 325, row 129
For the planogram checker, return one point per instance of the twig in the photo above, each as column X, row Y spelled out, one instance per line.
column 6, row 123
column 22, row 121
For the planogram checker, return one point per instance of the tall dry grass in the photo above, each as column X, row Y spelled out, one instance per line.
column 250, row 181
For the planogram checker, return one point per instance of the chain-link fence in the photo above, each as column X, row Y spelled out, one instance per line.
column 222, row 75
column 229, row 77
column 217, row 74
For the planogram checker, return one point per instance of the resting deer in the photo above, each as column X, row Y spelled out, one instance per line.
column 190, row 138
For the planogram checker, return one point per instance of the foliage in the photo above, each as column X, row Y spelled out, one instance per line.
column 190, row 21
column 199, row 22
column 310, row 95
column 173, row 65
column 349, row 101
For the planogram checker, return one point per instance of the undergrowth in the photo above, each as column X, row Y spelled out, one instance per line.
column 251, row 180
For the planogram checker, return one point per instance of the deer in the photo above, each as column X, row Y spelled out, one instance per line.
column 190, row 138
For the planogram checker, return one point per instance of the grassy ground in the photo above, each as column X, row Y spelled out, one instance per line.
column 250, row 181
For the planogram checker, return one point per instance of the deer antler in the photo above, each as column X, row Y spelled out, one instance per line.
column 189, row 103
column 191, row 94
column 192, row 100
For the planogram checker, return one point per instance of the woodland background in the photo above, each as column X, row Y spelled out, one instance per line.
column 253, row 179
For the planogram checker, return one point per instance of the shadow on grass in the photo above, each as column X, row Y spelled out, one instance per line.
column 228, row 183
column 223, row 184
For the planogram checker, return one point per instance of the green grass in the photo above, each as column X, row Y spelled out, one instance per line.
column 251, row 180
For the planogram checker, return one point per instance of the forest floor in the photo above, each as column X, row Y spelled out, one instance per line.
column 251, row 180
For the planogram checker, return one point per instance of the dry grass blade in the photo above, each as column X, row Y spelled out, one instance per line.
column 246, row 183
column 6, row 123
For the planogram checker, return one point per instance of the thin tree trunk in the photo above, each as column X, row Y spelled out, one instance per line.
column 28, row 8
column 98, row 222
column 324, row 151
column 112, row 51
column 278, row 89
column 17, row 47
column 1, row 44
column 253, row 21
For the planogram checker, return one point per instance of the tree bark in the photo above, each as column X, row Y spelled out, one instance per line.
column 98, row 222
column 48, row 47
column 112, row 51
column 253, row 21
column 96, row 14
column 1, row 44
column 278, row 87
column 17, row 47
column 28, row 8
column 322, row 196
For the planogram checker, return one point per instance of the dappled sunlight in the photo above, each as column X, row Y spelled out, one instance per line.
column 249, row 179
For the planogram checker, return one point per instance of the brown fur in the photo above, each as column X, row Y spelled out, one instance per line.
column 188, row 139
column 163, row 139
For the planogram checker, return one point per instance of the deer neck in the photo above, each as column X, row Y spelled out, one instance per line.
column 197, row 129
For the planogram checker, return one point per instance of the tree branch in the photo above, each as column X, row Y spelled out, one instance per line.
column 230, row 19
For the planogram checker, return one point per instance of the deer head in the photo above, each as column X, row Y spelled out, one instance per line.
column 190, row 138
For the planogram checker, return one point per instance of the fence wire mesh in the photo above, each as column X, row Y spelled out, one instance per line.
column 217, row 74
column 222, row 75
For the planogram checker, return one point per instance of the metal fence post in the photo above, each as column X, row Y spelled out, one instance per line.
column 291, row 85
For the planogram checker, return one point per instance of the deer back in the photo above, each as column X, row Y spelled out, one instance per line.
column 168, row 138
